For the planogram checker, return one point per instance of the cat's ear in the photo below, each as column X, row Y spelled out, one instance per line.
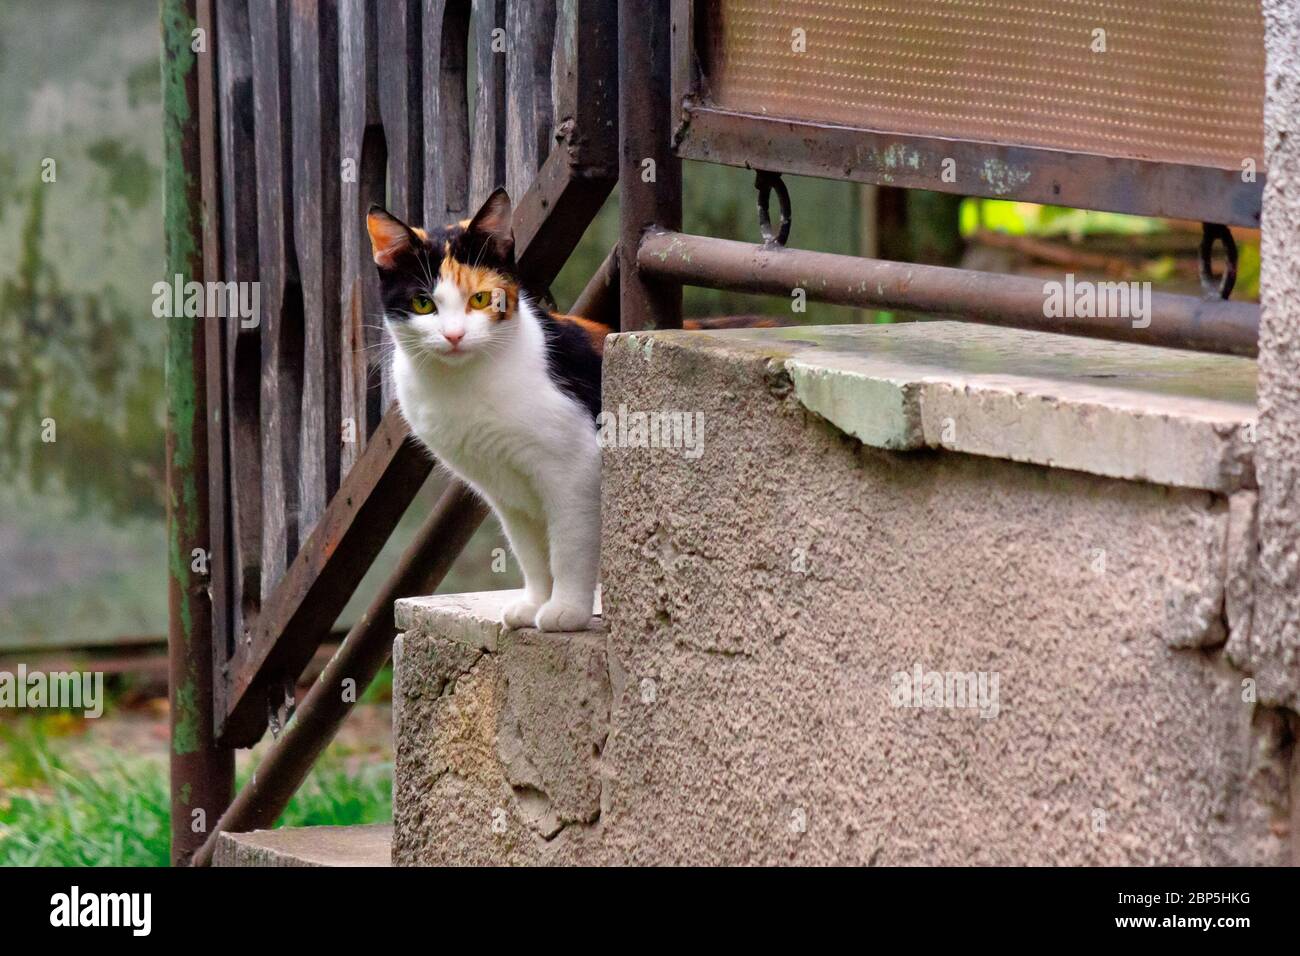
column 390, row 238
column 492, row 222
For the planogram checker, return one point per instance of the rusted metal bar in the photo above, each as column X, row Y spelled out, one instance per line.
column 545, row 240
column 650, row 174
column 598, row 299
column 202, row 772
column 1175, row 321
column 364, row 651
column 999, row 171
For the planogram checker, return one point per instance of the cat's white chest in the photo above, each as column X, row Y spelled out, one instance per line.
column 496, row 428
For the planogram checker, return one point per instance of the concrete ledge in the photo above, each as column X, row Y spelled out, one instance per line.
column 473, row 619
column 497, row 733
column 1182, row 419
column 308, row 846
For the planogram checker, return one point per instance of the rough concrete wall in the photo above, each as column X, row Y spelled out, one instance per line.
column 1274, row 645
column 761, row 598
column 759, row 601
column 496, row 750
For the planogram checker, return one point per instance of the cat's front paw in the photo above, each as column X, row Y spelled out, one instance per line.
column 556, row 615
column 520, row 612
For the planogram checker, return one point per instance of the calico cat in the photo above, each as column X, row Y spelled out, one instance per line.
column 504, row 393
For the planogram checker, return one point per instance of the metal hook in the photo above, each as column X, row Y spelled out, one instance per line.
column 765, row 182
column 1212, row 232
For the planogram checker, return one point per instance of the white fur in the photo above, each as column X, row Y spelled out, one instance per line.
column 491, row 414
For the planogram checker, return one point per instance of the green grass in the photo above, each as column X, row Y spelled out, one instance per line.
column 59, row 814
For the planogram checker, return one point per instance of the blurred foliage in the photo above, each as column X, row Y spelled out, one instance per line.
column 1077, row 225
column 1022, row 218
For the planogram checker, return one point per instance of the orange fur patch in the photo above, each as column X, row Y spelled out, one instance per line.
column 595, row 331
column 472, row 279
column 388, row 238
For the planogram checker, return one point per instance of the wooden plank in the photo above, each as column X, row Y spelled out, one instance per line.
column 423, row 565
column 530, row 29
column 582, row 165
column 584, row 84
column 364, row 175
column 281, row 329
column 400, row 106
column 314, row 91
column 214, row 373
column 241, row 341
column 487, row 165
column 446, row 111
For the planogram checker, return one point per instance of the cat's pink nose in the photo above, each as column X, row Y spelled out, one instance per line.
column 453, row 337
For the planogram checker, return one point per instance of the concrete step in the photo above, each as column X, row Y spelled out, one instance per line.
column 307, row 846
column 497, row 734
column 932, row 593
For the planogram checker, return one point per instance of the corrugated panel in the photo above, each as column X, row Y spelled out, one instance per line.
column 1180, row 80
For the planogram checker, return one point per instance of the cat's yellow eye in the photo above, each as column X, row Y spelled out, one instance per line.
column 421, row 304
column 480, row 300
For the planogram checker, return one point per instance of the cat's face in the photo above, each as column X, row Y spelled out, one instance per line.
column 449, row 294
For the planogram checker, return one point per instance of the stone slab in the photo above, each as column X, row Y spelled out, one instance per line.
column 497, row 734
column 369, row 845
column 1183, row 419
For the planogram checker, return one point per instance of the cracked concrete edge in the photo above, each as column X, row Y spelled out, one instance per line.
column 512, row 782
column 900, row 403
column 1239, row 584
column 368, row 845
column 472, row 618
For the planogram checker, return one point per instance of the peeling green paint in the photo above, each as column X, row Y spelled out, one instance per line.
column 674, row 246
column 900, row 156
column 182, row 228
column 1003, row 178
column 185, row 721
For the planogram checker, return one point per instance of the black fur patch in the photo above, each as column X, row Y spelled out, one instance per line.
column 413, row 268
column 571, row 361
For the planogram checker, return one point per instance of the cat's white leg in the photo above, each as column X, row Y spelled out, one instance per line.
column 527, row 536
column 573, row 530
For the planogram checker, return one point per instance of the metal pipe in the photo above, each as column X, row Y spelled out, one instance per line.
column 202, row 773
column 1175, row 321
column 649, row 172
column 360, row 657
